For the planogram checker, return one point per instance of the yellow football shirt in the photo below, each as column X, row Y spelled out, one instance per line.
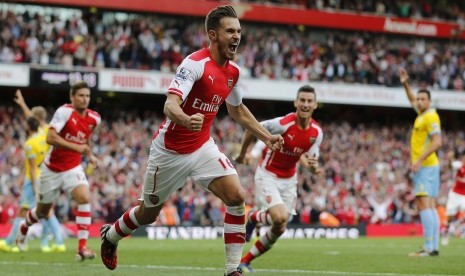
column 426, row 125
column 35, row 147
column 43, row 130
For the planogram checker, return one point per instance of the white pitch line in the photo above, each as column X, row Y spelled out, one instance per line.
column 283, row 271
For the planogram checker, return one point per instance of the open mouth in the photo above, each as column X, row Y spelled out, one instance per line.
column 233, row 47
column 305, row 111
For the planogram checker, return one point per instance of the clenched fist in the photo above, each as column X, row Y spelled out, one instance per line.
column 195, row 122
column 275, row 142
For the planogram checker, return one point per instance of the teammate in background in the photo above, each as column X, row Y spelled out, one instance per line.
column 34, row 153
column 425, row 141
column 68, row 136
column 253, row 158
column 456, row 198
column 182, row 146
column 276, row 176
column 51, row 223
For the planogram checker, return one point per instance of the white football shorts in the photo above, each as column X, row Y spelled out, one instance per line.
column 51, row 182
column 167, row 171
column 271, row 190
column 455, row 203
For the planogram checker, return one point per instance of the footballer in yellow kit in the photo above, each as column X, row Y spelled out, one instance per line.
column 426, row 179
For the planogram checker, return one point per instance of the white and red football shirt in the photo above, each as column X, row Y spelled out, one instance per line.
column 297, row 141
column 459, row 186
column 203, row 86
column 73, row 128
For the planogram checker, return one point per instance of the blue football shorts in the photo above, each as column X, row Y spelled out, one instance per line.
column 426, row 181
column 28, row 197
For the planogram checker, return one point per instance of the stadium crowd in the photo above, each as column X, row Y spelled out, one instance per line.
column 157, row 42
column 366, row 178
column 438, row 10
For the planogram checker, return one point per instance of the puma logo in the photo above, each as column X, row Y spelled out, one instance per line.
column 211, row 78
column 74, row 121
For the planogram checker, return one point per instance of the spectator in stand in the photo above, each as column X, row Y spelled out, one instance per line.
column 380, row 208
column 169, row 214
column 160, row 43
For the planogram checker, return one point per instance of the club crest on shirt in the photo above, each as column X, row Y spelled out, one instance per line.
column 230, row 82
column 182, row 74
column 154, row 199
column 91, row 127
column 312, row 139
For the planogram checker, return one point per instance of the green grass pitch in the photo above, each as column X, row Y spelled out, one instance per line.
column 139, row 256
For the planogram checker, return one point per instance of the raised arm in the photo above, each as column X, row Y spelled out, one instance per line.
column 244, row 117
column 408, row 90
column 22, row 103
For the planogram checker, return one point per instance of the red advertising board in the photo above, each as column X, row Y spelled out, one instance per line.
column 394, row 230
column 94, row 229
column 283, row 15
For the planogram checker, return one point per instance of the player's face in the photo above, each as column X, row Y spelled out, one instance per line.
column 422, row 101
column 305, row 104
column 229, row 37
column 81, row 99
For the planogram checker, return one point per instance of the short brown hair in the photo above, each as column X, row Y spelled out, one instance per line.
column 39, row 112
column 33, row 123
column 212, row 21
column 426, row 91
column 78, row 85
column 306, row 88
